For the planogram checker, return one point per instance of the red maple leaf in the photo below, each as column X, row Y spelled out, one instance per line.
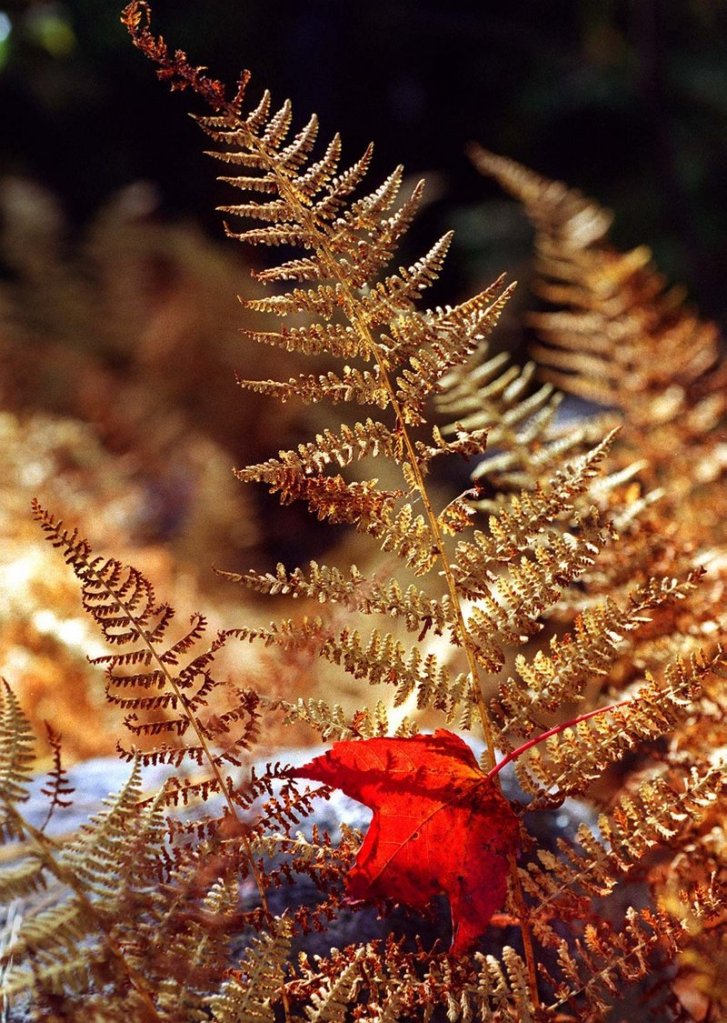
column 440, row 825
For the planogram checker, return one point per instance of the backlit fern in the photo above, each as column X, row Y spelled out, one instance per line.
column 491, row 625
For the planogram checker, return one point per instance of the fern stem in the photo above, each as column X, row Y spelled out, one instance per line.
column 514, row 754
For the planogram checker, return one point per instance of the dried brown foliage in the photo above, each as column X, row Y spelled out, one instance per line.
column 577, row 585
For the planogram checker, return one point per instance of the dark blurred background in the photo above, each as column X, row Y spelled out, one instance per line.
column 626, row 99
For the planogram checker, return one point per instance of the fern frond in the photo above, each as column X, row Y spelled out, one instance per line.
column 417, row 610
column 574, row 758
column 650, row 816
column 506, row 610
column 360, row 504
column 383, row 659
column 523, row 516
column 97, row 858
column 122, row 602
column 330, row 1002
column 21, row 880
column 348, row 445
column 353, row 385
column 609, row 957
column 546, row 680
column 619, row 336
column 255, row 985
column 498, row 588
column 17, row 753
column 500, row 991
column 57, row 788
column 328, row 720
column 69, row 945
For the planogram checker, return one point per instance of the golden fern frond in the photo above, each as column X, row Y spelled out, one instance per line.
column 521, row 517
column 526, row 443
column 102, row 858
column 498, row 992
column 21, row 880
column 348, row 445
column 383, row 659
column 330, row 1002
column 507, row 609
column 489, row 395
column 570, row 760
column 364, row 387
column 122, row 602
column 17, row 754
column 254, row 986
column 355, row 591
column 348, row 241
column 63, row 947
column 554, row 208
column 360, row 504
column 574, row 659
column 609, row 957
column 329, row 720
column 620, row 337
column 651, row 815
column 188, row 953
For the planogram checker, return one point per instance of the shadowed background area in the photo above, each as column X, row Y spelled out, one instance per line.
column 625, row 99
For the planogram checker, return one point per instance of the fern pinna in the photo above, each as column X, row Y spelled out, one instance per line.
column 460, row 608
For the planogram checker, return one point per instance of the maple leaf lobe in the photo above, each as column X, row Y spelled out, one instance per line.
column 439, row 825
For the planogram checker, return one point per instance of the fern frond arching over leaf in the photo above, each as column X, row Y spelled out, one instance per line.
column 485, row 594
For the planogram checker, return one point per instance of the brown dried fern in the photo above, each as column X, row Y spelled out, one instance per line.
column 485, row 592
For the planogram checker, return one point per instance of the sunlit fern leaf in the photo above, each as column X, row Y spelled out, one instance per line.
column 355, row 591
column 381, row 659
column 653, row 814
column 506, row 609
column 573, row 660
column 17, row 753
column 122, row 602
column 585, row 751
column 329, row 1003
column 519, row 519
column 610, row 956
column 192, row 953
column 497, row 398
column 499, row 991
column 363, row 387
column 253, row 988
column 62, row 947
column 100, row 853
column 617, row 335
column 362, row 440
column 20, row 880
column 359, row 504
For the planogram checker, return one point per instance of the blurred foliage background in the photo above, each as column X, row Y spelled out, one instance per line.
column 626, row 99
column 118, row 316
